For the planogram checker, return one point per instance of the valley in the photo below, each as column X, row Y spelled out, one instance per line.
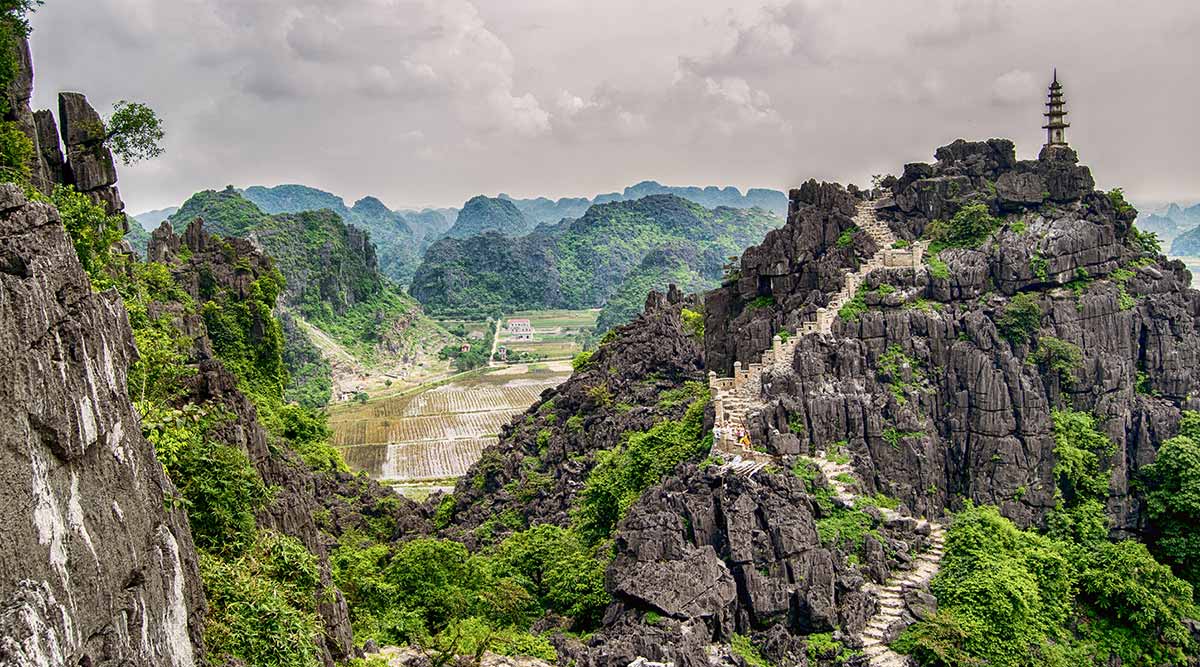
column 423, row 440
column 418, row 428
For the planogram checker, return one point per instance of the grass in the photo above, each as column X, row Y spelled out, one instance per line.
column 567, row 319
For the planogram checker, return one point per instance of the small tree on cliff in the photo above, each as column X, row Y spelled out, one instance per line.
column 134, row 132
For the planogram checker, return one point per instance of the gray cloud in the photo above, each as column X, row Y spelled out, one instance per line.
column 432, row 101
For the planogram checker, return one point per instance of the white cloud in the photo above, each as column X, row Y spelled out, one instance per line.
column 1015, row 87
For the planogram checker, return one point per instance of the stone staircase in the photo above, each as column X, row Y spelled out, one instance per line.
column 890, row 594
column 736, row 398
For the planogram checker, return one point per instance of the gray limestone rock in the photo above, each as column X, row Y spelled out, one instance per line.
column 94, row 570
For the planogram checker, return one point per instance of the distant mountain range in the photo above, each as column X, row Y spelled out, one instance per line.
column 402, row 236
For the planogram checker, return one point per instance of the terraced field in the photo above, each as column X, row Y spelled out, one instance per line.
column 435, row 435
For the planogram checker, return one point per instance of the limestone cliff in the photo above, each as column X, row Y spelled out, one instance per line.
column 95, row 566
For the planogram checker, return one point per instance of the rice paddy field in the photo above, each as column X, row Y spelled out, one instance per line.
column 426, row 439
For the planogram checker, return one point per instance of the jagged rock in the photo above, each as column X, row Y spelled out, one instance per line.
column 90, row 167
column 93, row 569
column 1016, row 190
column 921, row 604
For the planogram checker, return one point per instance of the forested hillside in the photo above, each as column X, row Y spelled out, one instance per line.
column 581, row 263
column 400, row 239
column 331, row 275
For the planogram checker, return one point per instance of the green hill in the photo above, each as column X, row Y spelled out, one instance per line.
column 331, row 272
column 583, row 263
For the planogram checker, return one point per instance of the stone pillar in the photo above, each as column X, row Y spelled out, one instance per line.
column 738, row 376
column 777, row 347
column 712, row 381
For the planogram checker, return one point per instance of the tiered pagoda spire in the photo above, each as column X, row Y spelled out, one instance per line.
column 1056, row 115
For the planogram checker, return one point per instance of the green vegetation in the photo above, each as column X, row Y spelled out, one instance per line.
column 16, row 149
column 1040, row 268
column 902, row 374
column 581, row 361
column 643, row 458
column 1059, row 357
column 761, row 302
column 855, row 307
column 1117, row 197
column 92, row 230
column 822, row 646
column 968, row 228
column 1173, row 499
column 262, row 587
column 263, row 604
column 937, row 268
column 134, row 132
column 743, row 648
column 693, row 323
column 583, row 263
column 676, row 264
column 1016, row 598
column 846, row 238
column 1021, row 317
column 330, row 274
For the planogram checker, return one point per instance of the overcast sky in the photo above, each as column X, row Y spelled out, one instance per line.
column 432, row 101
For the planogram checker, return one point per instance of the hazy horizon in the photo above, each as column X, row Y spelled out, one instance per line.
column 425, row 104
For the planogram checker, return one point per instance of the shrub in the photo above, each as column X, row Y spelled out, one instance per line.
column 1173, row 499
column 761, row 302
column 1040, row 268
column 1079, row 448
column 622, row 473
column 557, row 569
column 1011, row 598
column 971, row 225
column 262, row 605
column 1117, row 197
column 581, row 360
column 743, row 648
column 1146, row 241
column 1021, row 317
column 1060, row 357
column 937, row 268
column 855, row 307
column 846, row 238
column 693, row 323
column 92, row 230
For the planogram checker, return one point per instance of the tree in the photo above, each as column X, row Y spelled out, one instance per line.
column 134, row 132
column 1173, row 499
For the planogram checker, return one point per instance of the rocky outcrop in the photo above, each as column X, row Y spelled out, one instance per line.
column 934, row 403
column 784, row 280
column 710, row 553
column 94, row 567
column 90, row 167
column 83, row 161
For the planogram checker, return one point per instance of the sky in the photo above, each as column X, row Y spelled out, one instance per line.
column 429, row 102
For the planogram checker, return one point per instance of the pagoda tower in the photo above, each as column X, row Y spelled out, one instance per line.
column 1056, row 115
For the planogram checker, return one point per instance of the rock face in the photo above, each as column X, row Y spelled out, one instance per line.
column 936, row 405
column 94, row 570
